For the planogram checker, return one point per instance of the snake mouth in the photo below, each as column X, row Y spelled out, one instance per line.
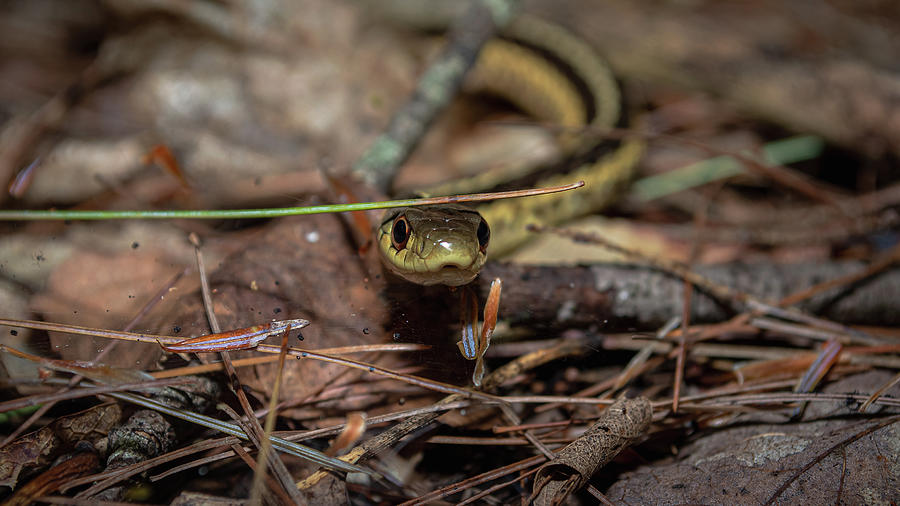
column 453, row 275
column 449, row 270
column 456, row 267
column 450, row 274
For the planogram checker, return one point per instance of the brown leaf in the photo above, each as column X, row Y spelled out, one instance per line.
column 618, row 426
column 37, row 449
column 105, row 291
column 747, row 463
column 80, row 464
column 295, row 268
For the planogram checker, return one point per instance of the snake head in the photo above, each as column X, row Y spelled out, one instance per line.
column 432, row 245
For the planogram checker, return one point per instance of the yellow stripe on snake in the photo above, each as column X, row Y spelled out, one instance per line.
column 448, row 244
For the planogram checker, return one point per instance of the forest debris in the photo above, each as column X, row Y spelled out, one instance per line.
column 104, row 279
column 163, row 157
column 37, row 449
column 353, row 430
column 374, row 445
column 200, row 499
column 285, row 264
column 14, row 301
column 436, row 88
column 83, row 462
column 878, row 393
column 824, row 362
column 617, row 427
column 224, row 143
column 629, row 296
column 835, row 96
column 97, row 372
column 757, row 452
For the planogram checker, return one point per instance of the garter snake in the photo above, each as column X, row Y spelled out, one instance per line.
column 557, row 78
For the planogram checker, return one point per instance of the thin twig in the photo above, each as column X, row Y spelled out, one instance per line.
column 295, row 352
column 880, row 264
column 818, row 458
column 257, row 435
column 146, row 308
column 434, row 91
column 476, row 480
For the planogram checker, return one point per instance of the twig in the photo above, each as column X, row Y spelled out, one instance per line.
column 107, row 479
column 265, row 450
column 257, row 435
column 149, row 305
column 679, row 269
column 791, row 397
column 717, row 290
column 295, row 352
column 67, row 393
column 387, row 438
column 818, row 458
column 880, row 264
column 490, row 490
column 476, row 480
column 434, row 91
column 878, row 393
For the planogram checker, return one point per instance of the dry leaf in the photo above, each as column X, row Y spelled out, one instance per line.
column 303, row 268
column 618, row 426
column 748, row 462
column 37, row 449
column 80, row 464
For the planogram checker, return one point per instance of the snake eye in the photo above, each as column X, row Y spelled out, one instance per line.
column 400, row 232
column 484, row 235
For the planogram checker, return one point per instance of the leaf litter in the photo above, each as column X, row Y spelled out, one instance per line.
column 729, row 445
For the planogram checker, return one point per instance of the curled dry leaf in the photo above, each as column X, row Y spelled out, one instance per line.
column 36, row 450
column 621, row 423
column 82, row 463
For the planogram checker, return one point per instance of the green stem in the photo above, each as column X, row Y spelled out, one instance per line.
column 203, row 214
column 781, row 152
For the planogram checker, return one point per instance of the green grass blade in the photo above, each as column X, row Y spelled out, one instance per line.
column 214, row 214
column 791, row 150
column 274, row 213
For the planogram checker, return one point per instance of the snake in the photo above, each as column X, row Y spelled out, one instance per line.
column 557, row 78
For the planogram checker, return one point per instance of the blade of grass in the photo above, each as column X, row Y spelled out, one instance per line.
column 208, row 214
column 791, row 150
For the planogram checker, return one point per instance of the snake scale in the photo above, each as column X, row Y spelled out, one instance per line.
column 557, row 78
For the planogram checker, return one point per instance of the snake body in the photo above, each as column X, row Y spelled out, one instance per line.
column 552, row 75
